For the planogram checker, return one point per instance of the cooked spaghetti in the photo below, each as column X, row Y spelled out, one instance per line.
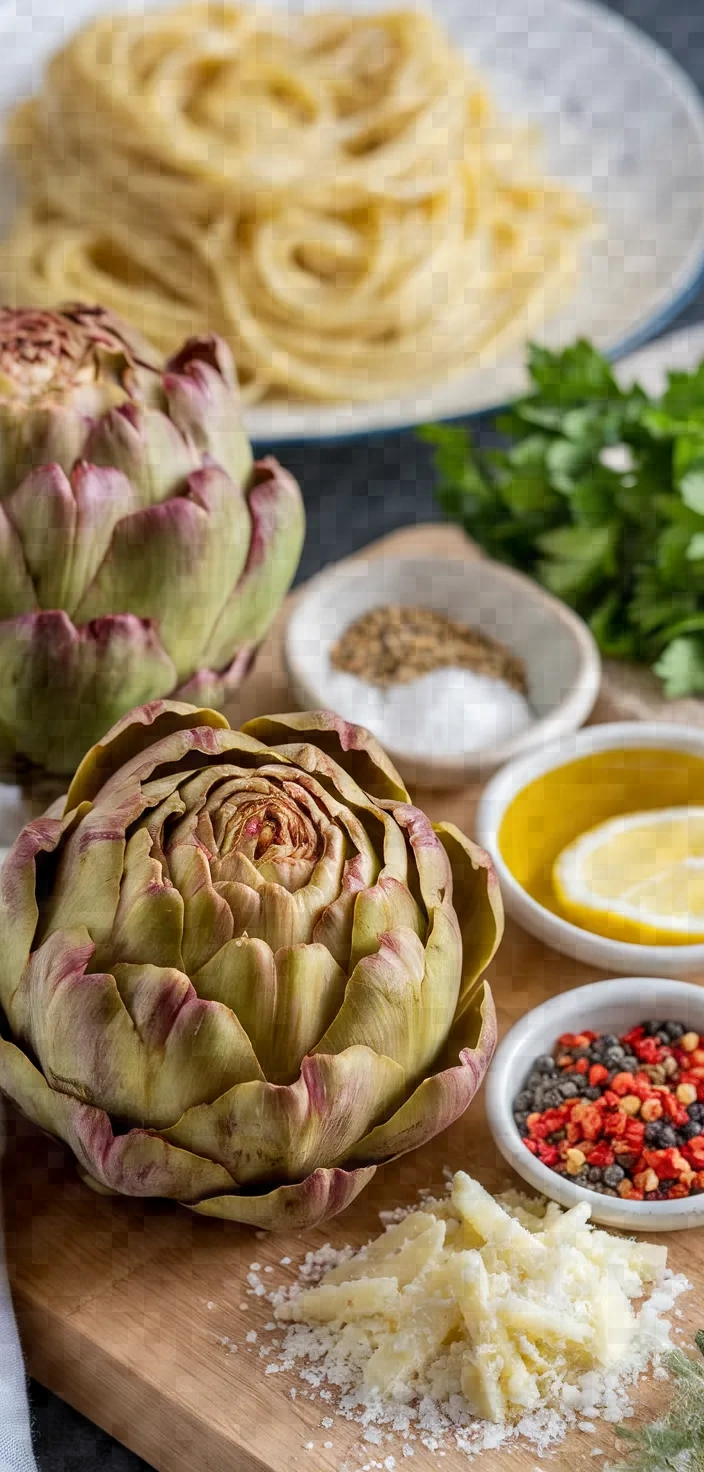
column 332, row 192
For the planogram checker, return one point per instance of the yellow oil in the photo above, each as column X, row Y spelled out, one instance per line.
column 556, row 808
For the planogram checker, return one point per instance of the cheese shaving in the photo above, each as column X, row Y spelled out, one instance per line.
column 479, row 1319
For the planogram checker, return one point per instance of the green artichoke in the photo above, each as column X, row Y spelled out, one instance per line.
column 142, row 553
column 240, row 969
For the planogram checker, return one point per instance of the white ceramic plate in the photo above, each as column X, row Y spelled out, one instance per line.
column 679, row 352
column 621, row 122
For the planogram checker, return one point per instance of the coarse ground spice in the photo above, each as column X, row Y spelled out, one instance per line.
column 622, row 1116
column 394, row 644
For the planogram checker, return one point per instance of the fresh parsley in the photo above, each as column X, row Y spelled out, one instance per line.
column 674, row 1443
column 599, row 494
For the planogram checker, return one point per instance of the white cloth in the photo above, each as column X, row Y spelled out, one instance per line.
column 15, row 1439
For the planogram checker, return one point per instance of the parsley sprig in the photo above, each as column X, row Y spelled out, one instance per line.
column 599, row 494
column 675, row 1443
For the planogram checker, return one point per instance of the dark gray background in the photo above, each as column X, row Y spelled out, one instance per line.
column 355, row 492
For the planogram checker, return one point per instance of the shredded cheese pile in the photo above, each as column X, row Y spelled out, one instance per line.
column 500, row 1309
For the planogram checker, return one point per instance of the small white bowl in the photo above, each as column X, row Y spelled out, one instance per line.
column 604, row 1006
column 560, row 934
column 561, row 658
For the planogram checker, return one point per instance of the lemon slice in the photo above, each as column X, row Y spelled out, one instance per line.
column 637, row 878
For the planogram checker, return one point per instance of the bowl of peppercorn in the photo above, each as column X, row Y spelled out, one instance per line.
column 598, row 1096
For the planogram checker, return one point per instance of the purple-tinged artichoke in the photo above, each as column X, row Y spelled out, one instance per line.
column 240, row 969
column 142, row 553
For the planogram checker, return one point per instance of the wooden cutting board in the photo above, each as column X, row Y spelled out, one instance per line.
column 123, row 1306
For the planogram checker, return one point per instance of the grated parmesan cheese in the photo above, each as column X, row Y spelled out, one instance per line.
column 475, row 1321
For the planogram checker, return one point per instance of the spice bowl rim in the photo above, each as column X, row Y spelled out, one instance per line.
column 559, row 934
column 432, row 769
column 536, row 1033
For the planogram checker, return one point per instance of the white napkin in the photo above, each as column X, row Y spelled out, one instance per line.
column 15, row 1440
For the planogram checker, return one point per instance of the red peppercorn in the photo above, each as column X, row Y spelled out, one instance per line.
column 614, row 1123
column 649, row 1050
column 623, row 1084
column 592, row 1123
column 601, row 1154
column 666, row 1163
column 693, row 1152
column 606, row 1133
column 642, row 1087
column 674, row 1110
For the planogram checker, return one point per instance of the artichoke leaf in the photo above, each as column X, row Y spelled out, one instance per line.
column 53, row 434
column 17, row 593
column 19, row 911
column 284, row 1000
column 322, row 1194
column 429, row 858
column 386, row 905
column 65, row 526
column 335, row 927
column 215, row 687
column 148, row 924
column 278, row 528
column 184, row 749
column 60, row 685
column 137, row 1163
column 202, row 538
column 163, row 802
column 86, row 888
column 351, row 749
column 147, row 448
column 268, row 911
column 130, row 737
column 263, row 1132
column 383, row 1006
column 478, row 905
column 138, row 1043
column 440, row 1099
column 207, row 917
column 200, row 390
column 401, row 1000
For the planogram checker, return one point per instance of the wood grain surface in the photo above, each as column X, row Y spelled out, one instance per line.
column 123, row 1305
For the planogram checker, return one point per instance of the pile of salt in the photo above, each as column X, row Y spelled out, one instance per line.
column 446, row 712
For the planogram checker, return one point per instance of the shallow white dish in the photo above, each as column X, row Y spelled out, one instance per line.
column 621, row 122
column 605, row 1006
column 583, row 945
column 561, row 658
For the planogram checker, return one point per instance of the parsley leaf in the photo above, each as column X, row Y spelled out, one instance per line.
column 598, row 492
column 681, row 667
